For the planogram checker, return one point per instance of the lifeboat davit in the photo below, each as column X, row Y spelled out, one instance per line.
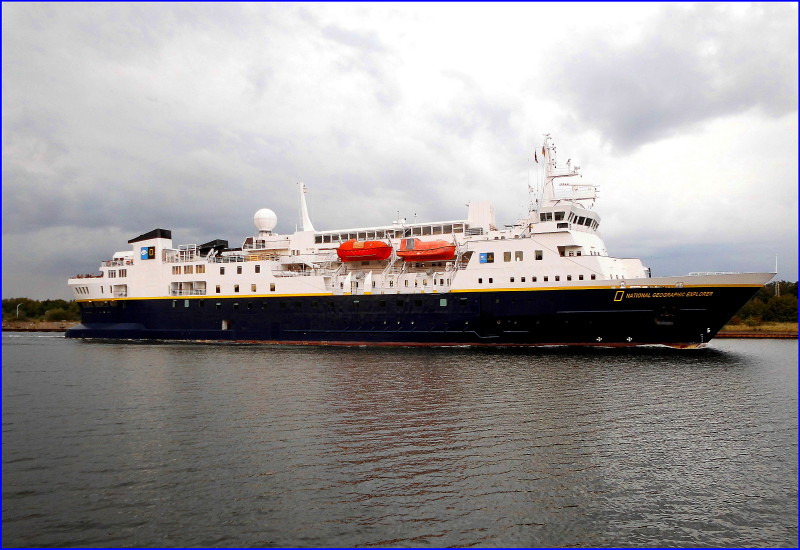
column 415, row 250
column 354, row 251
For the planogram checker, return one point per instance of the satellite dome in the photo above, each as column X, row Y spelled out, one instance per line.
column 265, row 220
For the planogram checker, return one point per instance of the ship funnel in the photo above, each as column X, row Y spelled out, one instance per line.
column 307, row 226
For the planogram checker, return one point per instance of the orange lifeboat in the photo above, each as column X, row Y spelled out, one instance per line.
column 354, row 251
column 415, row 250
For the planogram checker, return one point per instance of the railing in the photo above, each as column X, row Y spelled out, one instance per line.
column 114, row 263
column 88, row 276
column 192, row 292
column 713, row 273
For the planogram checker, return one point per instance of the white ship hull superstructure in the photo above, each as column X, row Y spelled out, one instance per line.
column 548, row 279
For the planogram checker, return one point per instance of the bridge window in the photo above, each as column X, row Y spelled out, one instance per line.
column 559, row 216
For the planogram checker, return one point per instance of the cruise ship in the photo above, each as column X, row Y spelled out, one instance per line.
column 546, row 279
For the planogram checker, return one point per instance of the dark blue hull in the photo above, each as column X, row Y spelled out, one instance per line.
column 677, row 317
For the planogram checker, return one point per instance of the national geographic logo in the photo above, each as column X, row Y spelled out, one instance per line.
column 628, row 295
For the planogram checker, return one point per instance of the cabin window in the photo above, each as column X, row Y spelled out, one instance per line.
column 176, row 270
column 538, row 254
column 258, row 269
column 506, row 256
column 518, row 256
column 545, row 278
column 174, row 303
column 391, row 284
column 236, row 288
column 580, row 277
column 217, row 289
column 235, row 306
column 569, row 277
column 558, row 277
column 511, row 279
column 186, row 303
column 222, row 270
column 442, row 302
column 252, row 288
column 238, row 270
column 219, row 305
column 272, row 287
column 200, row 268
column 480, row 280
column 441, row 282
column 123, row 272
column 594, row 276
column 112, row 273
column 491, row 280
column 533, row 279
column 188, row 269
column 578, row 253
column 522, row 279
column 406, row 282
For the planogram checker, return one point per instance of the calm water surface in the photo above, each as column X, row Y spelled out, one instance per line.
column 144, row 444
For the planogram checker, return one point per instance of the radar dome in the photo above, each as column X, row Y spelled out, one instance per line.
column 265, row 220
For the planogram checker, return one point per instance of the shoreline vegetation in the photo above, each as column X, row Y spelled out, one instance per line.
column 771, row 313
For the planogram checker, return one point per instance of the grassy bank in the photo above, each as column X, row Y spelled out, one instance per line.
column 790, row 328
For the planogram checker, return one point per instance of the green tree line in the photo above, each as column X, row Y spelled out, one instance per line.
column 769, row 305
column 766, row 306
column 40, row 310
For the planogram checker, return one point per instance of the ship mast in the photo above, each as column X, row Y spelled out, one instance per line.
column 547, row 196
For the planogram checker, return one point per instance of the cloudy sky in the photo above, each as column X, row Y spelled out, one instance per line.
column 121, row 118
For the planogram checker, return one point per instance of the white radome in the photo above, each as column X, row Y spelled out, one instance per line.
column 265, row 220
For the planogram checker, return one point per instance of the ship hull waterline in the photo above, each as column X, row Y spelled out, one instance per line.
column 564, row 317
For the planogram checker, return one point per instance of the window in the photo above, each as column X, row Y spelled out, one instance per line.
column 111, row 273
column 219, row 305
column 518, row 256
column 200, row 268
column 558, row 277
column 174, row 303
column 546, row 217
column 545, row 278
column 188, row 269
column 538, row 254
column 186, row 303
column 238, row 270
column 511, row 280
column 506, row 256
column 569, row 277
column 222, row 270
column 123, row 272
column 522, row 279
column 236, row 288
column 480, row 280
column 559, row 216
column 272, row 287
column 533, row 279
column 217, row 289
column 487, row 257
column 258, row 269
column 594, row 276
column 580, row 277
column 252, row 288
column 442, row 302
column 491, row 280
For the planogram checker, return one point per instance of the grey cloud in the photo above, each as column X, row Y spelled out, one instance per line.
column 690, row 64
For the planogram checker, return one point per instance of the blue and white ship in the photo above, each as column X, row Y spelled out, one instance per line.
column 548, row 279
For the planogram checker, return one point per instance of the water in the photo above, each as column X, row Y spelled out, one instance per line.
column 147, row 444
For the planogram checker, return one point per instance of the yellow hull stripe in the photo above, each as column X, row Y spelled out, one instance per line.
column 406, row 294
